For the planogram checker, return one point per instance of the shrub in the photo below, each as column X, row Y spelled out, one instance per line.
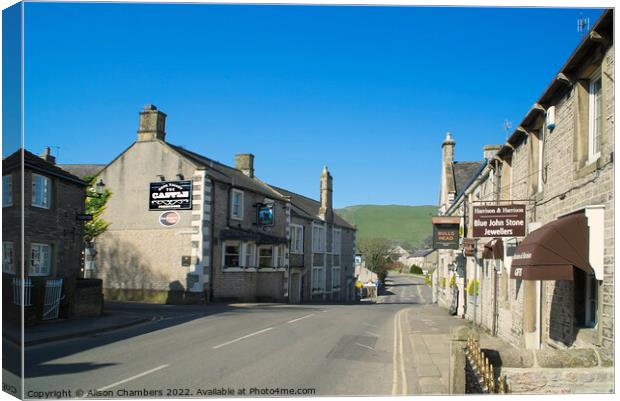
column 416, row 270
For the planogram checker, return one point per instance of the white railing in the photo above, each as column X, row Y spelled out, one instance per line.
column 18, row 285
column 51, row 305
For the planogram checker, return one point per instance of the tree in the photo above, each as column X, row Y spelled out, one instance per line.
column 376, row 253
column 95, row 205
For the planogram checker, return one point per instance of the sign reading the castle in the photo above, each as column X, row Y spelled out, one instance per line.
column 499, row 221
column 446, row 232
column 265, row 214
column 170, row 195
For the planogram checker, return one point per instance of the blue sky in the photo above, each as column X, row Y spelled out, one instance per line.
column 368, row 91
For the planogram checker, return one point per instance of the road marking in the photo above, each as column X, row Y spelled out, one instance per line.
column 365, row 346
column 371, row 333
column 394, row 364
column 133, row 377
column 398, row 357
column 242, row 338
column 299, row 318
column 402, row 354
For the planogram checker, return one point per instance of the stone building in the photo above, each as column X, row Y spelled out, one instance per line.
column 221, row 234
column 52, row 234
column 553, row 288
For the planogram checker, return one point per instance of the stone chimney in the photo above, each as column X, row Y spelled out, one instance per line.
column 447, row 158
column 152, row 124
column 244, row 162
column 326, row 211
column 447, row 148
column 490, row 151
column 47, row 155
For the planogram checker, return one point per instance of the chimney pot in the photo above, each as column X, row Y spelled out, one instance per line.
column 47, row 155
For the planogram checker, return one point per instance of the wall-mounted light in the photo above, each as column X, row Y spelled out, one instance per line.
column 161, row 177
column 180, row 176
column 99, row 187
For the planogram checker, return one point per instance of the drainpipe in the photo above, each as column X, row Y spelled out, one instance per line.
column 212, row 260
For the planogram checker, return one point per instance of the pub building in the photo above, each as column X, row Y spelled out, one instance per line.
column 188, row 229
column 551, row 285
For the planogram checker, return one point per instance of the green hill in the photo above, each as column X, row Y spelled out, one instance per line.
column 408, row 224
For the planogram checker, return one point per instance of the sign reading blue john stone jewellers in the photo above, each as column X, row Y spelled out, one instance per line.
column 170, row 195
column 265, row 214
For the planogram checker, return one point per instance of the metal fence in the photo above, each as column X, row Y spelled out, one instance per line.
column 51, row 305
column 18, row 286
column 483, row 370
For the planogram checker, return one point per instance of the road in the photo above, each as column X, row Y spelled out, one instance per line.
column 396, row 346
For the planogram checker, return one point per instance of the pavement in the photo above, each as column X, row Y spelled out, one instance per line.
column 61, row 329
column 398, row 345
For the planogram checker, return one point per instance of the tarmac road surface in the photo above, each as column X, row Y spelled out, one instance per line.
column 400, row 345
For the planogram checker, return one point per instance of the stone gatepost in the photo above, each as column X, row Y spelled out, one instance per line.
column 458, row 344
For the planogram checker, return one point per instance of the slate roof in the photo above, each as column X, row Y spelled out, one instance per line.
column 422, row 253
column 227, row 174
column 36, row 163
column 309, row 208
column 463, row 172
column 82, row 170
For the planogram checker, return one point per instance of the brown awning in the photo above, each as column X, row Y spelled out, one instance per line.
column 493, row 249
column 551, row 252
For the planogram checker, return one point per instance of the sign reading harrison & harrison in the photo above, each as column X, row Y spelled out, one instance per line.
column 170, row 195
column 499, row 221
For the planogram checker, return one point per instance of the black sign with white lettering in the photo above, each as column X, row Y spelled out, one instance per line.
column 170, row 195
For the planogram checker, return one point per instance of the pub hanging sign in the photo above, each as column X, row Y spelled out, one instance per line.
column 170, row 195
column 265, row 214
column 446, row 232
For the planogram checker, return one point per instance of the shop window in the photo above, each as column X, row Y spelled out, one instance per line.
column 265, row 256
column 8, row 265
column 236, row 209
column 40, row 260
column 585, row 299
column 41, row 191
column 7, row 190
column 232, row 254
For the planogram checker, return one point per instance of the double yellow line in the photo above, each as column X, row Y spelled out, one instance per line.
column 398, row 356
